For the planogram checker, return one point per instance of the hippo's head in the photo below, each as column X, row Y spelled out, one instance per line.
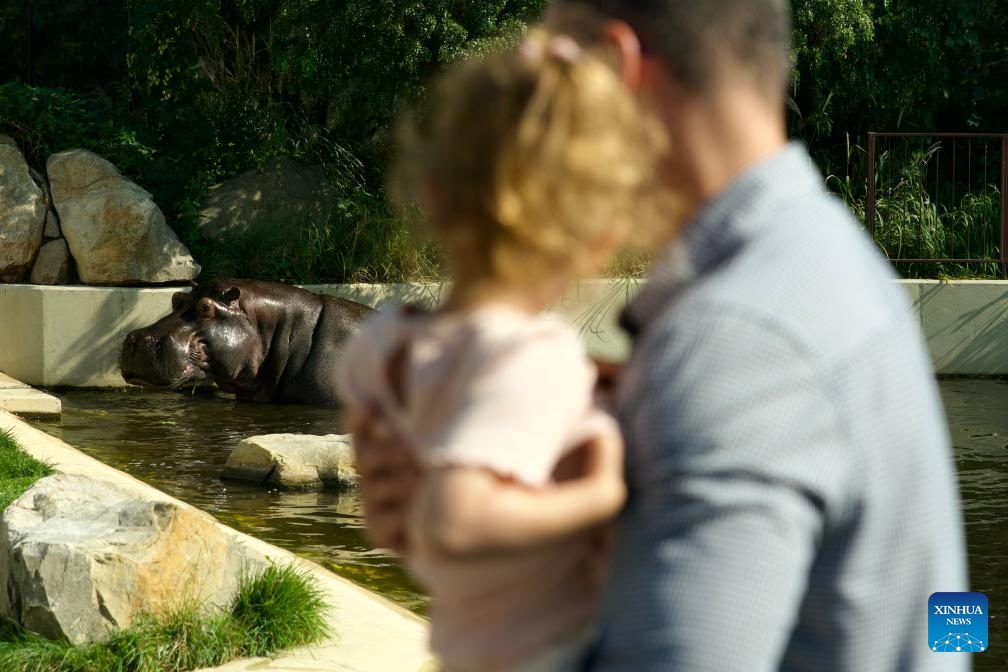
column 263, row 341
column 208, row 335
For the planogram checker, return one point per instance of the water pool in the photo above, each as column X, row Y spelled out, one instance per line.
column 179, row 443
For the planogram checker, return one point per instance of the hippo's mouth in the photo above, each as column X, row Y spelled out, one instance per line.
column 197, row 364
column 194, row 368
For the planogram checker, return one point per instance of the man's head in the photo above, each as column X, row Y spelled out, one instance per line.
column 703, row 44
column 714, row 71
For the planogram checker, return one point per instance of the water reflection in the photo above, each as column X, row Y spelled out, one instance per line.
column 179, row 443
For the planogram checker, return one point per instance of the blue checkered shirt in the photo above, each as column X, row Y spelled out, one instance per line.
column 793, row 500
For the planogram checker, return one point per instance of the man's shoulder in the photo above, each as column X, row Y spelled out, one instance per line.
column 811, row 276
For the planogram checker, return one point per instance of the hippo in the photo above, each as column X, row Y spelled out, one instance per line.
column 263, row 341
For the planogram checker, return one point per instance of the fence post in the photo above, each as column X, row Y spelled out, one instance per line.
column 870, row 186
column 1004, row 206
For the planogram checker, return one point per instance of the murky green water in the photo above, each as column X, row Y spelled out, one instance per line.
column 179, row 444
column 978, row 419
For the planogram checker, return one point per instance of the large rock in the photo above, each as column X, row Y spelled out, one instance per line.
column 82, row 558
column 22, row 214
column 296, row 461
column 116, row 234
column 52, row 266
column 52, row 225
column 283, row 192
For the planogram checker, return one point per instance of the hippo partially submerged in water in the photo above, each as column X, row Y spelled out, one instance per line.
column 263, row 341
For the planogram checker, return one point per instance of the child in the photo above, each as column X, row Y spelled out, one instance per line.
column 532, row 165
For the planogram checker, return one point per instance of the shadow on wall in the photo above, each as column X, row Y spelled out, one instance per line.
column 72, row 335
column 95, row 350
column 966, row 326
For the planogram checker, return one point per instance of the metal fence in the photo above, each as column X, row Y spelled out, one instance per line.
column 939, row 199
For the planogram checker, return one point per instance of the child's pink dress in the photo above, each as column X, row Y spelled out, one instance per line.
column 498, row 389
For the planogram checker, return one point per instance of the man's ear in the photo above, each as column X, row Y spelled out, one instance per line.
column 628, row 49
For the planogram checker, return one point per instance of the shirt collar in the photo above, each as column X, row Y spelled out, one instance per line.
column 722, row 226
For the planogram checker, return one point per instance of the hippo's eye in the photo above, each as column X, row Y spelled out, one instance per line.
column 205, row 308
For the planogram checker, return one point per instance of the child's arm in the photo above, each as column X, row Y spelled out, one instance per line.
column 470, row 510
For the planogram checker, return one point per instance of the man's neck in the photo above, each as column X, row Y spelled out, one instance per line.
column 718, row 136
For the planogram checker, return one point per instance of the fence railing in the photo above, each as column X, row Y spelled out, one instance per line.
column 939, row 198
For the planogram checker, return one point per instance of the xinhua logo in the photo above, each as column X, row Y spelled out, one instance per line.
column 957, row 622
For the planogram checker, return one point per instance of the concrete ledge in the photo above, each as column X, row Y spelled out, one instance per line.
column 20, row 399
column 369, row 633
column 71, row 335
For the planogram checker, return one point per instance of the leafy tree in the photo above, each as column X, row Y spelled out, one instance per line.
column 825, row 34
column 248, row 67
column 74, row 43
column 910, row 65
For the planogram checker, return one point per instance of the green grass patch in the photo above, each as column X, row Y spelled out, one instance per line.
column 279, row 608
column 18, row 469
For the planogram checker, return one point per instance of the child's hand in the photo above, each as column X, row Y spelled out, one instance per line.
column 389, row 477
column 602, row 459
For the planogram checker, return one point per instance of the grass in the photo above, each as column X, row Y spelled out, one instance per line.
column 18, row 470
column 277, row 609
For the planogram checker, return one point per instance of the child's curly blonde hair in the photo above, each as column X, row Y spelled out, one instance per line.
column 528, row 157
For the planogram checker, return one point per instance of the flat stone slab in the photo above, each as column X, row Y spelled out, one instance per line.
column 23, row 400
column 295, row 461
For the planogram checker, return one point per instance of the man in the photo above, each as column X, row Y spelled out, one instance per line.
column 792, row 496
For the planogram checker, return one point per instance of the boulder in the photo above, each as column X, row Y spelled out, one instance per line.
column 52, row 266
column 83, row 557
column 116, row 234
column 22, row 214
column 52, row 225
column 284, row 192
column 296, row 461
column 8, row 140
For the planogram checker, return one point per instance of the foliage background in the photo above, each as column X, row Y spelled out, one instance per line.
column 182, row 93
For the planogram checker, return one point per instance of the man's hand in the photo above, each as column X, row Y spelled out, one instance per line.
column 389, row 477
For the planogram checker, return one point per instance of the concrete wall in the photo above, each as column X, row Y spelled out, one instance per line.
column 54, row 336
column 965, row 323
column 72, row 335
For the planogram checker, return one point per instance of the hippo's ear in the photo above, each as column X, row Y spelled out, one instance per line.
column 231, row 295
column 179, row 299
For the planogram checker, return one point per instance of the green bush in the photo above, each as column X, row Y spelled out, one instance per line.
column 360, row 241
column 46, row 121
